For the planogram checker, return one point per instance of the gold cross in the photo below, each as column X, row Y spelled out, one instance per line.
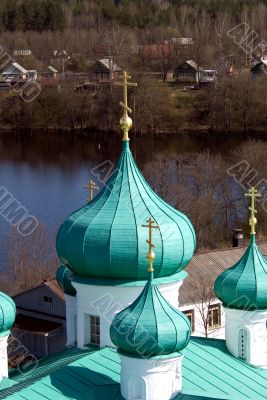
column 150, row 255
column 253, row 194
column 91, row 186
column 125, row 121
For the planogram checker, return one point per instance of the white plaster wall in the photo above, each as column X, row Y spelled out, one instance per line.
column 215, row 333
column 3, row 357
column 71, row 319
column 254, row 323
column 106, row 302
column 150, row 379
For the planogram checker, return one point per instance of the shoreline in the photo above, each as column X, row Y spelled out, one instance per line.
column 87, row 132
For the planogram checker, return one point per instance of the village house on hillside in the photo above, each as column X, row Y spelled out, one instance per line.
column 190, row 73
column 105, row 70
column 51, row 72
column 14, row 72
column 166, row 48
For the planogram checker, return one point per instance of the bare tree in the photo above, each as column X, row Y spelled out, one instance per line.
column 31, row 260
column 222, row 23
column 112, row 42
column 203, row 297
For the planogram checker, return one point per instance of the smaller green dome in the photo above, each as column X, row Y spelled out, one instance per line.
column 244, row 286
column 150, row 326
column 7, row 313
column 64, row 275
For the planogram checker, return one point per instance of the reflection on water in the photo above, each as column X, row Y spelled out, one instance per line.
column 46, row 173
column 66, row 150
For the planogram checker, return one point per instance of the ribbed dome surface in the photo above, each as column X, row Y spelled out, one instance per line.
column 63, row 277
column 7, row 313
column 244, row 286
column 105, row 238
column 150, row 326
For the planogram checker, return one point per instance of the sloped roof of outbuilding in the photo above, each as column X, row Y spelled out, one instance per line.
column 109, row 64
column 209, row 265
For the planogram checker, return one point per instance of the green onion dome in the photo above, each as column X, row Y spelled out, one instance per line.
column 244, row 286
column 150, row 326
column 63, row 277
column 105, row 238
column 7, row 313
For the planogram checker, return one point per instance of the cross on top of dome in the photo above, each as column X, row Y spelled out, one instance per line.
column 125, row 122
column 105, row 238
column 253, row 194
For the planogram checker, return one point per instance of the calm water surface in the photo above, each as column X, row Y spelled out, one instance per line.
column 46, row 173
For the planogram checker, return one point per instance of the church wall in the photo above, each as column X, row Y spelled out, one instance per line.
column 246, row 335
column 71, row 319
column 106, row 302
column 151, row 379
column 3, row 357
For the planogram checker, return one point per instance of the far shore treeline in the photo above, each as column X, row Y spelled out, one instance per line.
column 90, row 30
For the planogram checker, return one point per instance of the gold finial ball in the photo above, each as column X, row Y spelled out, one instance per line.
column 151, row 256
column 126, row 123
column 252, row 221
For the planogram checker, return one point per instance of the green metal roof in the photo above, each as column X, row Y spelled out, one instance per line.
column 6, row 383
column 105, row 238
column 209, row 372
column 44, row 367
column 150, row 325
column 244, row 286
column 64, row 276
column 7, row 313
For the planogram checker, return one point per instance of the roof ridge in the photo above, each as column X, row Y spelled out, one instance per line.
column 263, row 242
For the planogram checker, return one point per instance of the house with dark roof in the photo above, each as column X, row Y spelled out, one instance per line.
column 190, row 73
column 105, row 69
column 40, row 323
column 14, row 72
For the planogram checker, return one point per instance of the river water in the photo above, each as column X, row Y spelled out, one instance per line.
column 46, row 172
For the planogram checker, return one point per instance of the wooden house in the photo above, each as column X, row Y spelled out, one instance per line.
column 14, row 72
column 105, row 70
column 40, row 324
column 187, row 73
column 190, row 73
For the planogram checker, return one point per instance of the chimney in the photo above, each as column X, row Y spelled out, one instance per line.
column 238, row 238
